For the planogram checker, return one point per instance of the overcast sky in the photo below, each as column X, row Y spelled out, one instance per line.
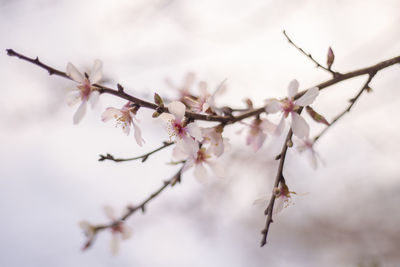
column 347, row 211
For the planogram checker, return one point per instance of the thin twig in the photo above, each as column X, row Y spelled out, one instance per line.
column 310, row 56
column 352, row 102
column 176, row 178
column 143, row 157
column 279, row 177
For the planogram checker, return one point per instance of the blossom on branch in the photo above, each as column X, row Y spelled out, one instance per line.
column 125, row 117
column 199, row 157
column 119, row 230
column 177, row 125
column 290, row 106
column 85, row 91
column 205, row 102
column 213, row 137
column 306, row 145
column 258, row 132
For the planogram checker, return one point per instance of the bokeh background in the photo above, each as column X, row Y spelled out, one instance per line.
column 347, row 212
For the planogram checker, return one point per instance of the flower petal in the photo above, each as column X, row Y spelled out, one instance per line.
column 110, row 212
column 97, row 71
column 273, row 106
column 293, row 88
column 73, row 98
column 114, row 244
column 194, row 131
column 300, row 127
column 94, row 98
column 177, row 109
column 111, row 113
column 200, row 173
column 74, row 73
column 308, row 97
column 80, row 112
column 188, row 164
column 281, row 126
column 138, row 135
column 267, row 126
column 126, row 233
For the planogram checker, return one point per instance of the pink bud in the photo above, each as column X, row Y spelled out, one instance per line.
column 330, row 58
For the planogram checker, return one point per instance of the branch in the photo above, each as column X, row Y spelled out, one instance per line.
column 352, row 102
column 310, row 56
column 279, row 177
column 144, row 157
column 176, row 178
column 195, row 116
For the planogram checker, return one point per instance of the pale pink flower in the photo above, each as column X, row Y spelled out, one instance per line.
column 205, row 102
column 85, row 91
column 290, row 106
column 176, row 122
column 282, row 198
column 258, row 132
column 119, row 230
column 125, row 117
column 213, row 137
column 306, row 145
column 199, row 158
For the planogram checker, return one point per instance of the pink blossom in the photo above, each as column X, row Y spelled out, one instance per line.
column 282, row 198
column 290, row 106
column 119, row 230
column 306, row 145
column 85, row 91
column 124, row 117
column 199, row 158
column 176, row 123
column 213, row 137
column 258, row 132
column 205, row 102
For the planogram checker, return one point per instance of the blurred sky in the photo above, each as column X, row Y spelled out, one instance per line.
column 347, row 214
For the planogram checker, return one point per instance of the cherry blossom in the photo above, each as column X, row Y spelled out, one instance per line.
column 205, row 102
column 85, row 91
column 199, row 157
column 290, row 106
column 282, row 198
column 119, row 230
column 176, row 124
column 213, row 137
column 258, row 132
column 125, row 117
column 306, row 145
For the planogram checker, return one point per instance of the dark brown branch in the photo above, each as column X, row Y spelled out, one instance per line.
column 222, row 119
column 143, row 157
column 352, row 102
column 310, row 56
column 279, row 177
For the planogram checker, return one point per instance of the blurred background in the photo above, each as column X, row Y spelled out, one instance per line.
column 347, row 210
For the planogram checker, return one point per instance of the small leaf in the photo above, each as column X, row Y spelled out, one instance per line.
column 289, row 143
column 249, row 103
column 158, row 100
column 155, row 114
column 330, row 58
column 316, row 116
column 368, row 89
